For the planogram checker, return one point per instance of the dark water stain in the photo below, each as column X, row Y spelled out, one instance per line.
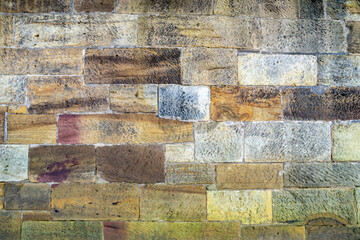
column 58, row 171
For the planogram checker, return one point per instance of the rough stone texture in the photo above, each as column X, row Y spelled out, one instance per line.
column 332, row 232
column 59, row 230
column 131, row 163
column 27, row 196
column 3, row 110
column 180, row 152
column 6, row 29
column 321, row 103
column 287, row 141
column 357, row 197
column 343, row 9
column 209, row 66
column 303, row 36
column 277, row 69
column 121, row 128
column 94, row 5
column 273, row 232
column 31, row 129
column 346, row 145
column 13, row 162
column 65, row 94
column 353, row 37
column 62, row 164
column 36, row 216
column 339, row 70
column 187, row 103
column 248, row 206
column 133, row 66
column 16, row 109
column 133, row 98
column 75, row 30
column 190, row 174
column 173, row 202
column 245, row 104
column 198, row 31
column 12, row 90
column 109, row 201
column 31, row 6
column 297, row 206
column 313, row 9
column 1, row 195
column 10, row 225
column 218, row 142
column 249, row 176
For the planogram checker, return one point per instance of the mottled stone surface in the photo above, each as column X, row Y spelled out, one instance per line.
column 346, row 145
column 190, row 174
column 1, row 195
column 353, row 37
column 12, row 89
column 209, row 66
column 59, row 230
column 343, row 9
column 3, row 110
column 313, row 9
column 133, row 98
column 273, row 232
column 31, row 6
column 173, row 202
column 332, row 232
column 75, row 30
column 13, row 162
column 276, row 69
column 249, row 176
column 180, row 152
column 292, row 206
column 94, row 5
column 218, row 142
column 27, row 196
column 303, row 36
column 133, row 66
column 16, row 109
column 95, row 201
column 62, row 163
column 6, row 29
column 36, row 216
column 198, row 31
column 10, row 225
column 131, row 163
column 248, row 206
column 187, row 103
column 245, row 104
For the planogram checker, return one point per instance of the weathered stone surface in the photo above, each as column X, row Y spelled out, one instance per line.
column 190, row 174
column 249, row 176
column 173, row 202
column 75, row 30
column 180, row 152
column 187, row 103
column 94, row 5
column 353, row 37
column 40, row 61
column 95, row 201
column 3, row 110
column 62, row 163
column 292, row 206
column 6, row 29
column 346, row 145
column 339, row 70
column 321, row 103
column 303, row 36
column 276, row 69
column 343, row 9
column 218, row 142
column 133, row 66
column 1, row 195
column 245, row 104
column 31, row 6
column 121, row 128
column 58, row 230
column 287, row 141
column 273, row 232
column 36, row 216
column 357, row 197
column 27, row 196
column 131, row 163
column 171, row 230
column 10, row 224
column 198, row 31
column 332, row 232
column 133, row 98
column 65, row 94
column 13, row 162
column 313, row 9
column 31, row 129
column 209, row 66
column 248, row 206
column 12, row 89
column 17, row 109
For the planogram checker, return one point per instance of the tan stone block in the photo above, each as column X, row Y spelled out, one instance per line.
column 1, row 195
column 3, row 110
column 94, row 5
column 190, row 174
column 273, row 232
column 10, row 225
column 31, row 6
column 36, row 216
column 180, row 152
column 6, row 30
column 17, row 109
column 353, row 36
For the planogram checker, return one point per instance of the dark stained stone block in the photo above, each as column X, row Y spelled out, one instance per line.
column 332, row 232
column 94, row 5
column 273, row 232
column 31, row 6
column 10, row 224
column 312, row 9
column 353, row 37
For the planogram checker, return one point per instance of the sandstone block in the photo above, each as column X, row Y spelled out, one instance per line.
column 346, row 146
column 353, row 37
column 36, row 216
column 6, row 29
column 30, row 6
column 313, row 9
column 343, row 9
column 273, row 232
column 13, row 162
column 10, row 224
column 332, row 232
column 190, row 174
column 94, row 5
column 1, row 195
column 12, row 90
column 180, row 152
column 3, row 110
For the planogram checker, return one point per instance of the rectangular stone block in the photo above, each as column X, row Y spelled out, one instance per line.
column 312, row 9
column 245, row 104
column 346, row 146
column 109, row 201
column 303, row 205
column 94, row 5
column 180, row 152
column 186, row 103
column 348, row 10
column 287, row 141
column 121, row 128
column 133, row 98
column 133, row 66
column 62, row 163
column 31, row 6
column 36, row 216
column 302, row 36
column 249, row 176
column 31, row 129
column 332, row 232
column 40, row 61
column 131, row 163
column 273, row 232
column 247, row 206
column 58, row 230
column 6, row 29
column 13, row 162
column 75, row 30
column 27, row 196
column 1, row 195
column 209, row 66
column 190, row 174
column 10, row 225
column 353, row 36
column 17, row 109
column 3, row 110
column 276, row 69
column 173, row 202
column 12, row 90
column 198, row 31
